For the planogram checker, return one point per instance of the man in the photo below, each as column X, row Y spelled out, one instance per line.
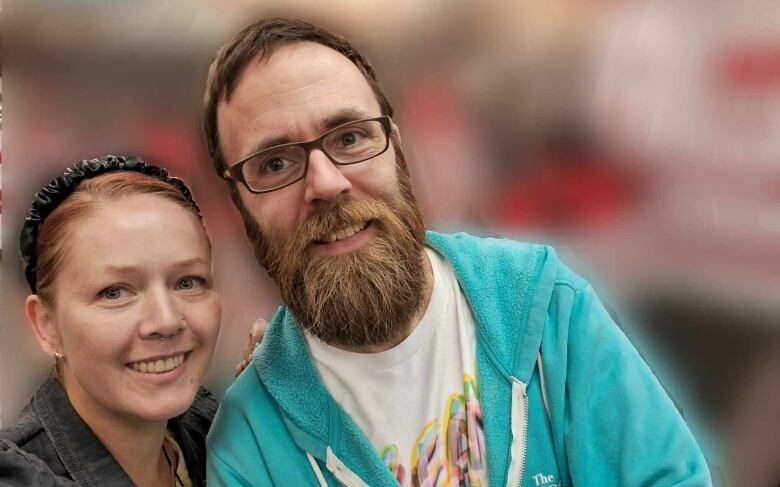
column 402, row 356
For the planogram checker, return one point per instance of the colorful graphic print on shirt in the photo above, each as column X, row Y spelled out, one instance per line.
column 449, row 452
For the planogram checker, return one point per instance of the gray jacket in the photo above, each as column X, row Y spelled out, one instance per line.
column 50, row 445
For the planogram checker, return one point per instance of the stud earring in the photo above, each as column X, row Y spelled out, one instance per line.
column 58, row 357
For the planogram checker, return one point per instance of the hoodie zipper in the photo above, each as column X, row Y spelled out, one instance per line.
column 343, row 474
column 519, row 434
column 540, row 365
column 317, row 470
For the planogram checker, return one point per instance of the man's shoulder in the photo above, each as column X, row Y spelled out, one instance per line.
column 249, row 438
column 466, row 242
column 246, row 409
column 482, row 253
column 246, row 392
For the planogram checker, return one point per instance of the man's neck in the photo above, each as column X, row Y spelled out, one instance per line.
column 427, row 291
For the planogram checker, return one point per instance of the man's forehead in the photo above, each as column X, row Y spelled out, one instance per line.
column 298, row 69
column 300, row 87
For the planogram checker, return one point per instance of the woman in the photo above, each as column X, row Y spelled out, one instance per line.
column 119, row 265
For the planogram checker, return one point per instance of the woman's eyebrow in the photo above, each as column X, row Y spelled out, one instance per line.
column 189, row 262
column 129, row 269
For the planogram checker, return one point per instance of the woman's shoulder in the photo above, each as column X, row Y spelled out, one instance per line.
column 27, row 439
column 27, row 455
column 21, row 468
column 28, row 431
column 25, row 429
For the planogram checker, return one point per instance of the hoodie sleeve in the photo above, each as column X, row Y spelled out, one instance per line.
column 233, row 456
column 221, row 473
column 621, row 428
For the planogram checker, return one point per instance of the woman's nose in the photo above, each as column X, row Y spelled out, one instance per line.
column 163, row 319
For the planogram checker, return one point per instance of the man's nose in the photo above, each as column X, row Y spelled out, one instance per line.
column 162, row 317
column 325, row 183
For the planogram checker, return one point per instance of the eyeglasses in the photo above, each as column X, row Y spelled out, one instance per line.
column 282, row 165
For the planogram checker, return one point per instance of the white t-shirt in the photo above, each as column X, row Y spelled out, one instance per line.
column 418, row 402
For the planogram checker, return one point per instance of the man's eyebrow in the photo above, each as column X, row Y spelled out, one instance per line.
column 333, row 121
column 342, row 117
column 267, row 144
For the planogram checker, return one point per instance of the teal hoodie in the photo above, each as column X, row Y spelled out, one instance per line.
column 566, row 398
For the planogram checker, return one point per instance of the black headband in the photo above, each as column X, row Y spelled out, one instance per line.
column 54, row 193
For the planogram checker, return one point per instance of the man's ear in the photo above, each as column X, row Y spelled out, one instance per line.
column 41, row 320
column 396, row 133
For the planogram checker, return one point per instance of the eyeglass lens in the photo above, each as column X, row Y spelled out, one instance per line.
column 348, row 144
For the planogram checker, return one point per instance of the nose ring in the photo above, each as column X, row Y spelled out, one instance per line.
column 165, row 338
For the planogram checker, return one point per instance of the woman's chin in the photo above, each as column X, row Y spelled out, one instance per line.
column 163, row 411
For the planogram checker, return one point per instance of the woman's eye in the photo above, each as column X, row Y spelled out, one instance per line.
column 112, row 293
column 189, row 283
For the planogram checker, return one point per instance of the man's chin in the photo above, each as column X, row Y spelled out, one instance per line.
column 362, row 298
column 364, row 285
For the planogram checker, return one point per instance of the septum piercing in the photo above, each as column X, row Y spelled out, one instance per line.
column 165, row 338
column 168, row 337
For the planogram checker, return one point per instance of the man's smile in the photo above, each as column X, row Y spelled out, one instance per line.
column 343, row 233
column 347, row 239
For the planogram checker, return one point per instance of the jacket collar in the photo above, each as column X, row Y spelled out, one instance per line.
column 508, row 285
column 313, row 417
column 85, row 458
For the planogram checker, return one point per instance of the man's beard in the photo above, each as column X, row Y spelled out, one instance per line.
column 366, row 297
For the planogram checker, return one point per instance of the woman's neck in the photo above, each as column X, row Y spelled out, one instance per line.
column 139, row 451
column 136, row 445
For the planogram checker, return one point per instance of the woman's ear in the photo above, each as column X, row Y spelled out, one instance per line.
column 41, row 320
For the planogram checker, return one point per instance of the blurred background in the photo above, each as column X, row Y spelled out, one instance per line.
column 641, row 138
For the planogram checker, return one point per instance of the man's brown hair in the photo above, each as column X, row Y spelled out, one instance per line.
column 255, row 43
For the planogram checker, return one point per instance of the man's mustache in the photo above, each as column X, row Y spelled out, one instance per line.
column 351, row 213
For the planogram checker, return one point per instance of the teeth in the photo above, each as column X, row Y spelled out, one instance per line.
column 158, row 366
column 344, row 233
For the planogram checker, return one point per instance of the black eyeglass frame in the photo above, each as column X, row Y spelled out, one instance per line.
column 236, row 173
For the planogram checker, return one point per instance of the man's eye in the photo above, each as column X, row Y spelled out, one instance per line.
column 350, row 138
column 276, row 164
